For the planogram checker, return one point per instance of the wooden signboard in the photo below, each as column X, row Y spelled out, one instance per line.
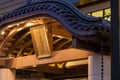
column 42, row 40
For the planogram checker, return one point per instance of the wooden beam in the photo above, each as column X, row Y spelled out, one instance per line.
column 61, row 32
column 2, row 62
column 47, row 69
column 115, row 36
column 78, row 71
column 57, row 56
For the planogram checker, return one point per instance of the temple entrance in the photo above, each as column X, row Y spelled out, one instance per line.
column 18, row 36
column 49, row 39
column 19, row 42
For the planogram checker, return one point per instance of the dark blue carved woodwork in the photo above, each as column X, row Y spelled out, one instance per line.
column 81, row 26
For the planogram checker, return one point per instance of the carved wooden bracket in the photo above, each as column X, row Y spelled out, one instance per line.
column 81, row 26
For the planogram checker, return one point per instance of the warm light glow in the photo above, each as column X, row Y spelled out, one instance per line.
column 76, row 63
column 29, row 24
column 34, row 22
column 107, row 14
column 17, row 24
column 3, row 33
column 22, row 22
column 34, row 66
column 20, row 29
column 98, row 13
column 60, row 65
column 58, row 36
column 52, row 65
column 69, row 64
column 10, row 26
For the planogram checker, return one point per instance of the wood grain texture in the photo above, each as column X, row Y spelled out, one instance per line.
column 9, row 5
column 57, row 56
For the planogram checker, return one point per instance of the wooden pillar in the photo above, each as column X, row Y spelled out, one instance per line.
column 7, row 74
column 115, row 36
column 98, row 70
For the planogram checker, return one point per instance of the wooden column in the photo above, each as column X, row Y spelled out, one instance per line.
column 95, row 68
column 7, row 74
column 115, row 36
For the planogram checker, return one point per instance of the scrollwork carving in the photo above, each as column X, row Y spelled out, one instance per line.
column 73, row 20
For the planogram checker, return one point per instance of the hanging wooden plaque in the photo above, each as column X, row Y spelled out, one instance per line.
column 42, row 39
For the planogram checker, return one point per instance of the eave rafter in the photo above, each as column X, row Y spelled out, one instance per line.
column 81, row 26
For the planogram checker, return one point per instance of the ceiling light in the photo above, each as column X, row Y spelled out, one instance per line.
column 34, row 65
column 29, row 24
column 76, row 63
column 17, row 24
column 52, row 65
column 3, row 33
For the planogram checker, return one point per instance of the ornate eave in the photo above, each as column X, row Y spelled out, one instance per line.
column 81, row 26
